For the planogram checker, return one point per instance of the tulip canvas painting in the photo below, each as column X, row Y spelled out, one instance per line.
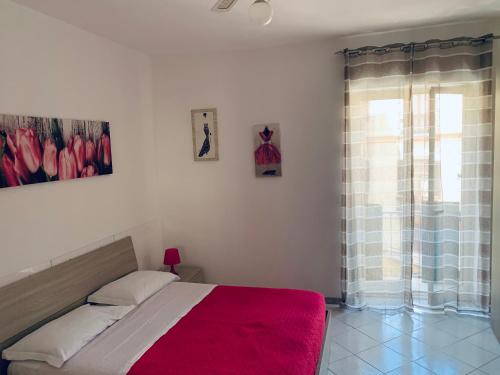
column 42, row 149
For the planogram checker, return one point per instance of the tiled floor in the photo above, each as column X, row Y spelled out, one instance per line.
column 366, row 342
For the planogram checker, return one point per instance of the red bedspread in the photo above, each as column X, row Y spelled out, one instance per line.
column 238, row 330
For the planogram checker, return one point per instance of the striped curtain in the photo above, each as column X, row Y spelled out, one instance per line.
column 417, row 176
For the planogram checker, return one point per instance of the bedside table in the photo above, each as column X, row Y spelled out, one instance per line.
column 188, row 274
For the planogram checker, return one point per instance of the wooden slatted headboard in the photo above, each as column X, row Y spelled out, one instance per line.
column 29, row 303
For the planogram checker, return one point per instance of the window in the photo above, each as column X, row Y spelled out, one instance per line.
column 437, row 156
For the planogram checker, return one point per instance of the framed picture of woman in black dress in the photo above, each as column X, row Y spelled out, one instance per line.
column 205, row 137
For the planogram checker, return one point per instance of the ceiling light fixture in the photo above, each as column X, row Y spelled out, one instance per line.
column 261, row 12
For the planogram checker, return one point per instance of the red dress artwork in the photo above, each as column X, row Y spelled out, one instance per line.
column 267, row 153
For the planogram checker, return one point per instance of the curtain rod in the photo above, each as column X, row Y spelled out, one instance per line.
column 406, row 47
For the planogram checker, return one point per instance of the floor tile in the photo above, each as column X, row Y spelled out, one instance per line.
column 469, row 353
column 432, row 336
column 359, row 318
column 383, row 358
column 338, row 312
column 380, row 331
column 404, row 322
column 429, row 318
column 352, row 366
column 337, row 352
column 355, row 341
column 469, row 318
column 411, row 369
column 337, row 326
column 486, row 340
column 408, row 347
column 462, row 327
column 491, row 368
column 443, row 364
column 370, row 342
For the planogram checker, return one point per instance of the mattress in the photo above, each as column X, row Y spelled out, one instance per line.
column 190, row 329
column 115, row 350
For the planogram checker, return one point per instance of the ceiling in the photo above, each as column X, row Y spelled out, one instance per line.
column 160, row 27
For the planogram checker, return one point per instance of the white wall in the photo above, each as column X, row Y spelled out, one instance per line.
column 277, row 232
column 48, row 67
column 280, row 232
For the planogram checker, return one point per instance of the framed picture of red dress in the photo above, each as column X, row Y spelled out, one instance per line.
column 45, row 149
column 267, row 150
column 205, row 135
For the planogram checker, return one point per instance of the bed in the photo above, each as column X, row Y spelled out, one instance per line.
column 183, row 329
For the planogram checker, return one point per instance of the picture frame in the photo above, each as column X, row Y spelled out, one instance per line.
column 37, row 149
column 205, row 134
column 267, row 150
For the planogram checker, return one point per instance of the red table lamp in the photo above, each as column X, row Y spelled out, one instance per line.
column 172, row 258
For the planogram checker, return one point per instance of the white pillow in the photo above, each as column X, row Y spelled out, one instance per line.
column 60, row 339
column 133, row 288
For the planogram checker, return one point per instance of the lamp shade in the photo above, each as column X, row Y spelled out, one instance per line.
column 172, row 257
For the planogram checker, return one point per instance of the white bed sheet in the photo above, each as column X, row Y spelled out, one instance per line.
column 116, row 350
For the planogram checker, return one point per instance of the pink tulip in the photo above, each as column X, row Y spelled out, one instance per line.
column 79, row 150
column 28, row 146
column 19, row 165
column 50, row 157
column 89, row 171
column 11, row 142
column 69, row 144
column 104, row 150
column 67, row 163
column 89, row 151
column 9, row 172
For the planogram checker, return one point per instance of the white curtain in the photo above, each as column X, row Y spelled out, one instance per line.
column 417, row 176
